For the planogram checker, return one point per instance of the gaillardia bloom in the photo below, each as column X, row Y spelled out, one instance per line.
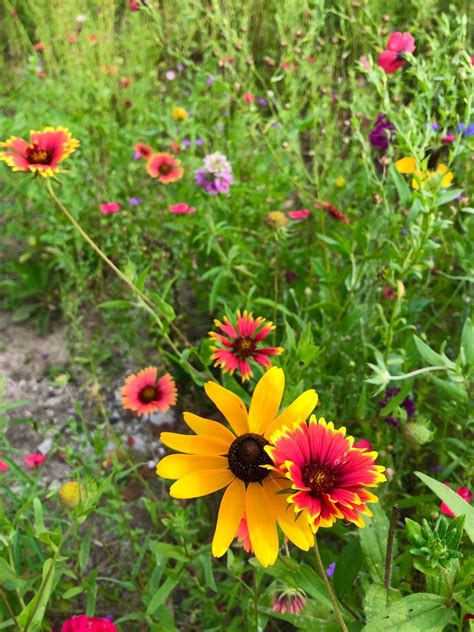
column 237, row 345
column 217, row 457
column 165, row 167
column 42, row 154
column 328, row 475
column 144, row 393
column 424, row 178
column 143, row 151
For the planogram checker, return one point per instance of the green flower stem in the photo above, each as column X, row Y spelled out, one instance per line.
column 145, row 301
column 332, row 596
column 407, row 376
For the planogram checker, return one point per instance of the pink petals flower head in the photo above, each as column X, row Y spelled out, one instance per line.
column 302, row 214
column 4, row 467
column 394, row 56
column 465, row 494
column 239, row 344
column 165, row 167
column 216, row 175
column 109, row 208
column 81, row 623
column 328, row 474
column 290, row 601
column 34, row 460
column 181, row 209
column 143, row 151
column 143, row 393
column 42, row 154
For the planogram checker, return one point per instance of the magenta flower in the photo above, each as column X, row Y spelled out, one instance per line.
column 394, row 57
column 108, row 208
column 302, row 214
column 34, row 460
column 182, row 209
column 465, row 494
column 3, row 466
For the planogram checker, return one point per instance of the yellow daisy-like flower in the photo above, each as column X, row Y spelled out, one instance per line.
column 424, row 178
column 179, row 113
column 234, row 458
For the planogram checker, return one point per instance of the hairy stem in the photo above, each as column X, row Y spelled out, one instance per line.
column 332, row 596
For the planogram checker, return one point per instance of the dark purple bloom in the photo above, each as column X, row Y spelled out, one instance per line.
column 408, row 404
column 381, row 133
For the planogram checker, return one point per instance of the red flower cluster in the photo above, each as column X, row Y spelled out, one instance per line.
column 394, row 56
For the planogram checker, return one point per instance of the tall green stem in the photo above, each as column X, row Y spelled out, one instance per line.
column 332, row 596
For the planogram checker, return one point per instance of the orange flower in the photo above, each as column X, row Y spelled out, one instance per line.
column 165, row 167
column 42, row 154
column 144, row 393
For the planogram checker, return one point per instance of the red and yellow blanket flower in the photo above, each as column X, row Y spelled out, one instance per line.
column 423, row 178
column 329, row 476
column 165, row 167
column 238, row 344
column 145, row 393
column 44, row 152
column 234, row 458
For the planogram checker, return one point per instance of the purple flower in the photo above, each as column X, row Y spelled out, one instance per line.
column 262, row 101
column 186, row 143
column 408, row 404
column 180, row 67
column 134, row 201
column 330, row 569
column 435, row 126
column 198, row 142
column 136, row 155
column 466, row 129
column 210, row 80
column 216, row 175
column 170, row 75
column 381, row 132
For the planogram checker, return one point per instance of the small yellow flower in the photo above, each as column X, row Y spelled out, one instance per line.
column 340, row 182
column 179, row 113
column 424, row 178
column 71, row 494
column 276, row 219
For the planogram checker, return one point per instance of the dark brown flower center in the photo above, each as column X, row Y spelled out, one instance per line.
column 244, row 347
column 38, row 156
column 319, row 478
column 165, row 169
column 148, row 394
column 247, row 455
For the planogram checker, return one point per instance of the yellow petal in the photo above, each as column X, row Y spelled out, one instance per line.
column 194, row 444
column 405, row 165
column 202, row 426
column 296, row 529
column 266, row 400
column 230, row 405
column 447, row 175
column 261, row 524
column 178, row 465
column 231, row 511
column 301, row 408
column 201, row 483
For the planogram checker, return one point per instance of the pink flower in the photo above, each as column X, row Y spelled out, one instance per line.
column 243, row 535
column 34, row 460
column 364, row 62
column 181, row 209
column 465, row 494
column 81, row 623
column 302, row 214
column 108, row 208
column 388, row 292
column 449, row 138
column 3, row 466
column 133, row 5
column 363, row 444
column 394, row 57
column 249, row 97
column 170, row 75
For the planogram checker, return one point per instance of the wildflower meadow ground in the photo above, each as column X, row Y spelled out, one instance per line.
column 236, row 288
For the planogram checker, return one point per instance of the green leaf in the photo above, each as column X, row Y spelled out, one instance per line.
column 375, row 601
column 373, row 540
column 458, row 505
column 403, row 189
column 84, row 551
column 447, row 196
column 172, row 551
column 416, row 613
column 433, row 358
column 31, row 617
column 117, row 305
column 349, row 563
column 467, row 341
column 455, row 392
